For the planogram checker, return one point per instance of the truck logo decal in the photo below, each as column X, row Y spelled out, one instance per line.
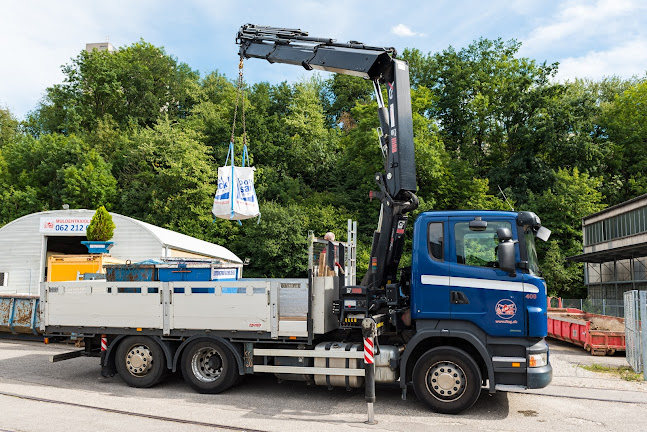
column 505, row 309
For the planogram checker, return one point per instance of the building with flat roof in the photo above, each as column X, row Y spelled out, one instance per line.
column 615, row 249
column 99, row 46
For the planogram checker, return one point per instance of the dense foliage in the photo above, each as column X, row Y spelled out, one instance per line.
column 143, row 134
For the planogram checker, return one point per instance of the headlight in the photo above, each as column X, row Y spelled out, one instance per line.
column 538, row 360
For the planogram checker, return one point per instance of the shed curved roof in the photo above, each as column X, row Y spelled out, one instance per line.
column 166, row 237
column 190, row 244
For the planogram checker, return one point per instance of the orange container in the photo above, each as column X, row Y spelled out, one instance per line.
column 72, row 267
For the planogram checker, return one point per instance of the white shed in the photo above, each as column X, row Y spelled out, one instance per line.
column 25, row 244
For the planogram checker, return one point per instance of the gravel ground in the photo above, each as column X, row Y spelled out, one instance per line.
column 576, row 399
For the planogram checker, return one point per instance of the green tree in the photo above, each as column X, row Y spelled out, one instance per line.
column 135, row 85
column 101, row 227
column 166, row 177
column 280, row 244
column 17, row 202
column 490, row 106
column 340, row 94
column 8, row 127
column 213, row 112
column 312, row 149
column 561, row 208
column 89, row 182
column 625, row 122
column 60, row 170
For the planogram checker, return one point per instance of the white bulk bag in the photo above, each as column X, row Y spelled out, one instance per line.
column 235, row 197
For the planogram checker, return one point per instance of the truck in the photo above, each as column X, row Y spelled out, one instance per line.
column 468, row 314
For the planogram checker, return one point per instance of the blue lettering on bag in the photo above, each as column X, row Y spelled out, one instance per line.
column 223, row 189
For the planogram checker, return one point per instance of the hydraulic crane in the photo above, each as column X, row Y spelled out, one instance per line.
column 379, row 64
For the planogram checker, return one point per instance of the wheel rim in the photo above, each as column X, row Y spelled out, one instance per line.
column 139, row 360
column 446, row 381
column 207, row 364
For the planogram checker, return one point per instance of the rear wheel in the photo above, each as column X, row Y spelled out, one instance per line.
column 447, row 379
column 140, row 361
column 208, row 366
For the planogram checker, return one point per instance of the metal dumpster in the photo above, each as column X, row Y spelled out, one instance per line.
column 598, row 334
column 19, row 314
column 144, row 271
column 198, row 270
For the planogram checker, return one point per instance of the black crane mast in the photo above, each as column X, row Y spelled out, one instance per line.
column 380, row 65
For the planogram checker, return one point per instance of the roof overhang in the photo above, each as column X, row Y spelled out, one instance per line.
column 615, row 254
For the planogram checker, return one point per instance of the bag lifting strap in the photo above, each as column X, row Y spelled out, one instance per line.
column 240, row 94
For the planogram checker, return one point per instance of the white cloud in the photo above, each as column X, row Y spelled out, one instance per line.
column 580, row 21
column 626, row 60
column 42, row 35
column 404, row 31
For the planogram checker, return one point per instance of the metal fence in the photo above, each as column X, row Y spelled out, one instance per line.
column 598, row 306
column 635, row 337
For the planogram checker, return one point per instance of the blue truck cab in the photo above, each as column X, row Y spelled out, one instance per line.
column 465, row 298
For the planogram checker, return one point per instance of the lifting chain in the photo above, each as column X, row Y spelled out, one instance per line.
column 238, row 97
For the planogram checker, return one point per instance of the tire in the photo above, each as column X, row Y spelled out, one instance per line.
column 140, row 361
column 447, row 379
column 208, row 366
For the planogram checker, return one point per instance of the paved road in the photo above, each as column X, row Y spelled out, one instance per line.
column 572, row 402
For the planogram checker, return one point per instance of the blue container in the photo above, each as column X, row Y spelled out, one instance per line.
column 138, row 272
column 184, row 274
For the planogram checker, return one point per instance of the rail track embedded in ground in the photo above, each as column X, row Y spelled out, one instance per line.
column 131, row 413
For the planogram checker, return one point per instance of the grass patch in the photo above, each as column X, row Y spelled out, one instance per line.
column 624, row 372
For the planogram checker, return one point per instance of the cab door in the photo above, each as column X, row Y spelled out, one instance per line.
column 480, row 292
column 430, row 277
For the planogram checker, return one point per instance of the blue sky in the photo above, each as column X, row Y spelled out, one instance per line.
column 590, row 39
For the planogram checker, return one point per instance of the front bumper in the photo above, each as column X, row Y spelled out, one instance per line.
column 539, row 377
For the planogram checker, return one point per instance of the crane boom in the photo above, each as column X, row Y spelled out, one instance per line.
column 398, row 183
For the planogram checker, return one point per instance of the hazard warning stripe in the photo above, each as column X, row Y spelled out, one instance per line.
column 368, row 350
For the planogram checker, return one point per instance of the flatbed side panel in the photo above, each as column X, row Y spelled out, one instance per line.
column 103, row 304
column 243, row 305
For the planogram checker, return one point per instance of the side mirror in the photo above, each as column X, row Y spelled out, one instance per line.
column 504, row 234
column 505, row 250
column 478, row 224
column 506, row 256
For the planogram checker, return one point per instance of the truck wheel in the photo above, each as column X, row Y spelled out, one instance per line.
column 140, row 361
column 447, row 379
column 208, row 366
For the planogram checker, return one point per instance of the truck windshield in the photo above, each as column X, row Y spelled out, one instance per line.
column 533, row 264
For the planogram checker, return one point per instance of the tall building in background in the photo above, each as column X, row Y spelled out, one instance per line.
column 100, row 46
